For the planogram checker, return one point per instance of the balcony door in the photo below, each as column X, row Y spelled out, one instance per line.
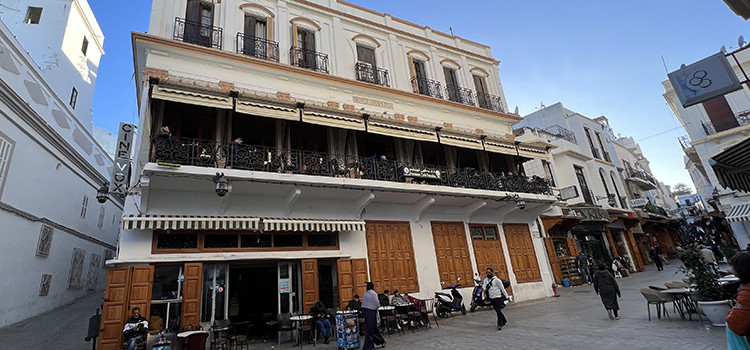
column 480, row 84
column 306, row 45
column 199, row 20
column 451, row 83
column 254, row 42
column 421, row 77
column 367, row 70
column 584, row 186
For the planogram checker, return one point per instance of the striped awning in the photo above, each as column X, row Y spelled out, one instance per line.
column 284, row 224
column 732, row 166
column 739, row 213
column 189, row 222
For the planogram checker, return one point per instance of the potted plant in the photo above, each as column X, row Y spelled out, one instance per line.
column 713, row 300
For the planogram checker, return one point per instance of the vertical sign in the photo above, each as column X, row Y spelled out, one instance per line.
column 118, row 184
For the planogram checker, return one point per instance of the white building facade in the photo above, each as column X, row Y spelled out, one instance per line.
column 50, row 170
column 347, row 145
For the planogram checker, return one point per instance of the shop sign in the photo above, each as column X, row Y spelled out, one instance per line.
column 118, row 183
column 284, row 285
column 419, row 172
column 588, row 214
column 638, row 202
column 703, row 80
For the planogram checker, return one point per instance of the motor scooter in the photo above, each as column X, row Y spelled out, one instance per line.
column 447, row 303
column 477, row 296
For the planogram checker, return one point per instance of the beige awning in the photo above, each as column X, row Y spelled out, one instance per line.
column 193, row 97
column 463, row 141
column 269, row 110
column 335, row 120
column 532, row 152
column 501, row 147
column 399, row 130
column 189, row 222
column 316, row 225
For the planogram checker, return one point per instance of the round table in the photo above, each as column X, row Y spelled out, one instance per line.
column 298, row 319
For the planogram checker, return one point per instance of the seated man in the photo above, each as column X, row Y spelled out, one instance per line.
column 319, row 312
column 355, row 304
column 135, row 329
column 384, row 299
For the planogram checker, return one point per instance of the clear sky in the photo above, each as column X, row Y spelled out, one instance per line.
column 596, row 57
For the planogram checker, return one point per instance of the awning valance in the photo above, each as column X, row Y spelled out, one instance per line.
column 267, row 110
column 398, row 130
column 283, row 224
column 188, row 96
column 500, row 147
column 189, row 222
column 732, row 166
column 739, row 213
column 334, row 120
column 463, row 141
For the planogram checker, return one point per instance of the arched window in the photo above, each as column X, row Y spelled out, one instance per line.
column 304, row 45
column 256, row 38
column 604, row 182
column 617, row 191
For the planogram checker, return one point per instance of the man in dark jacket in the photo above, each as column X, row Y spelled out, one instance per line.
column 135, row 329
column 606, row 287
column 319, row 312
column 583, row 266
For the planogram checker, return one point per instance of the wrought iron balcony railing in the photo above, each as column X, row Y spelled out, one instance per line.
column 309, row 59
column 606, row 156
column 426, row 87
column 460, row 95
column 643, row 176
column 708, row 128
column 561, row 132
column 743, row 118
column 492, row 102
column 257, row 47
column 197, row 33
column 367, row 73
column 213, row 154
column 685, row 141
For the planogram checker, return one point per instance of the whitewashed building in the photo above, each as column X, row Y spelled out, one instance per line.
column 713, row 126
column 56, row 236
column 372, row 148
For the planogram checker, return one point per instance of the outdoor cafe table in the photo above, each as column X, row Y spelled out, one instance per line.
column 298, row 319
column 684, row 300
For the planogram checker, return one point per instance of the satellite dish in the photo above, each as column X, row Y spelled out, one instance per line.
column 723, row 49
column 682, row 66
column 741, row 41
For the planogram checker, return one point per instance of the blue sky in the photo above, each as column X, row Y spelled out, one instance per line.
column 596, row 57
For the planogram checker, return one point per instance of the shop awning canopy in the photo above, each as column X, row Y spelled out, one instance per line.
column 191, row 96
column 739, row 213
column 195, row 222
column 267, row 109
column 732, row 166
column 189, row 222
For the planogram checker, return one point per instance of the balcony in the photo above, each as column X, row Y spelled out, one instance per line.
column 369, row 74
column 460, row 95
column 257, row 47
column 685, row 141
column 491, row 102
column 562, row 133
column 606, row 156
column 197, row 33
column 309, row 59
column 644, row 179
column 212, row 154
column 426, row 87
column 743, row 118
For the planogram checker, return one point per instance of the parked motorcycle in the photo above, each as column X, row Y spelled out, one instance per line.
column 477, row 296
column 447, row 303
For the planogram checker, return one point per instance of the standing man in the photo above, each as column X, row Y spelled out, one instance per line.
column 135, row 329
column 583, row 266
column 710, row 258
column 495, row 291
column 370, row 305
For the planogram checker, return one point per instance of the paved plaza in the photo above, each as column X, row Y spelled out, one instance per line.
column 575, row 320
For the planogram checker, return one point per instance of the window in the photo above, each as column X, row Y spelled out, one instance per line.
column 254, row 37
column 451, row 84
column 605, row 154
column 93, row 274
column 244, row 241
column 45, row 241
column 591, row 143
column 480, row 85
column 85, row 46
column 33, row 15
column 419, row 80
column 548, row 172
column 166, row 296
column 73, row 98
column 76, row 268
column 100, row 224
column 6, row 151
column 83, row 207
column 44, row 285
column 604, row 182
column 617, row 192
column 584, row 186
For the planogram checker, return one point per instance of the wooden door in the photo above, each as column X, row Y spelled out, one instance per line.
column 191, row 294
column 140, row 289
column 346, row 282
column 310, row 292
column 522, row 253
column 359, row 272
column 452, row 253
column 114, row 308
column 554, row 263
column 488, row 251
column 391, row 255
column 572, row 246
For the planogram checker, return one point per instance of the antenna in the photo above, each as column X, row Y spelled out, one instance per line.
column 741, row 42
column 664, row 63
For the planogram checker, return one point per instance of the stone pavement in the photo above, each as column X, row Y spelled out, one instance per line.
column 576, row 320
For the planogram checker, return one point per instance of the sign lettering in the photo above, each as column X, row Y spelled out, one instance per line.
column 118, row 183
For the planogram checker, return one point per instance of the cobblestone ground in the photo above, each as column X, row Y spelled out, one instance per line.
column 576, row 320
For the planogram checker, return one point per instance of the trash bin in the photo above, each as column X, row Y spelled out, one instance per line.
column 566, row 282
column 347, row 329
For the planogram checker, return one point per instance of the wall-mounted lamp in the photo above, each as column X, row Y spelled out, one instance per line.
column 102, row 194
column 520, row 203
column 222, row 184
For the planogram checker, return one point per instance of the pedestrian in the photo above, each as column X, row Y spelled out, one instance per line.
column 370, row 305
column 708, row 255
column 656, row 258
column 583, row 266
column 738, row 320
column 495, row 290
column 606, row 287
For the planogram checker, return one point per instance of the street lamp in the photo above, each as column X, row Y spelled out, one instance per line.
column 520, row 203
column 222, row 184
column 102, row 193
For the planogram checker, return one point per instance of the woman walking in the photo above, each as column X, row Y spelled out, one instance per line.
column 370, row 306
column 656, row 258
column 606, row 287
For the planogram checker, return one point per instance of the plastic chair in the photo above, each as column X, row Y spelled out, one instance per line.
column 284, row 322
column 654, row 298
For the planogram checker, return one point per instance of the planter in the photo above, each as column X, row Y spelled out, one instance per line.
column 716, row 311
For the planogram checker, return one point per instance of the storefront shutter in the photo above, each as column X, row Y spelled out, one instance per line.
column 572, row 246
column 489, row 253
column 556, row 271
column 191, row 294
column 309, row 283
column 391, row 256
column 522, row 253
column 359, row 272
column 114, row 308
column 346, row 282
column 452, row 252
